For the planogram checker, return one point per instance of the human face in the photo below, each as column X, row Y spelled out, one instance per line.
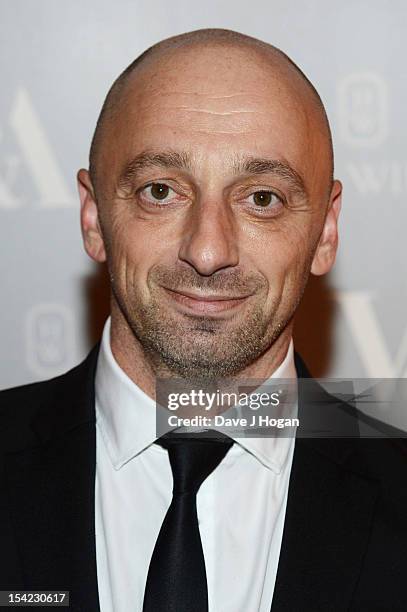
column 212, row 208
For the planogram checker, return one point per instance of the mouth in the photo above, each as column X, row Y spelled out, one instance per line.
column 205, row 303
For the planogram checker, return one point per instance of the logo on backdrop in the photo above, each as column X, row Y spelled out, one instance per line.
column 363, row 105
column 49, row 331
column 363, row 109
column 35, row 156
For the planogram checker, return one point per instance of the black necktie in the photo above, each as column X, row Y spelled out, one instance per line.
column 176, row 580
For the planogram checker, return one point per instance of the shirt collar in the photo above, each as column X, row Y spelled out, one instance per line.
column 273, row 451
column 126, row 415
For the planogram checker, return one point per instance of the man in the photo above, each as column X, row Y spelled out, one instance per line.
column 210, row 194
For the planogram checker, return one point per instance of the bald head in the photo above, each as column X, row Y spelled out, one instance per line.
column 279, row 64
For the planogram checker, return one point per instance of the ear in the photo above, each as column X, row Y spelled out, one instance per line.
column 325, row 253
column 91, row 230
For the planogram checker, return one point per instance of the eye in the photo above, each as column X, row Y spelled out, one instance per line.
column 157, row 192
column 265, row 199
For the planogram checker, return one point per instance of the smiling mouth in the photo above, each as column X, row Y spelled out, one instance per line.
column 205, row 303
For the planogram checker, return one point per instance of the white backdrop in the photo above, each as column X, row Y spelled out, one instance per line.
column 58, row 60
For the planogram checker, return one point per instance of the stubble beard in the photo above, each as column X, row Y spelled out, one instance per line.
column 200, row 348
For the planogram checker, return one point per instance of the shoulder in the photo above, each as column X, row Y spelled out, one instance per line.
column 356, row 442
column 340, row 430
column 26, row 399
column 21, row 406
column 377, row 455
column 380, row 458
column 385, row 460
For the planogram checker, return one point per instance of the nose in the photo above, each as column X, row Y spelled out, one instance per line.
column 209, row 238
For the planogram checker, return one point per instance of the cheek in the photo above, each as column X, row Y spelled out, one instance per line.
column 133, row 251
column 281, row 253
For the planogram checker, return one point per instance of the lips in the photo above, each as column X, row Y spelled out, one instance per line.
column 205, row 303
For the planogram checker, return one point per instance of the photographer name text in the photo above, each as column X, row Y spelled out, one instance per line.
column 256, row 420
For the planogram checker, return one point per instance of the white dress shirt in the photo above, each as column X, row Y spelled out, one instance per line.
column 241, row 505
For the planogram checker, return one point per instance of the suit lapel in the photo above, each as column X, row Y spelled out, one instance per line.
column 51, row 492
column 327, row 525
column 326, row 530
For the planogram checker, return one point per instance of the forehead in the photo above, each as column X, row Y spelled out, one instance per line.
column 217, row 103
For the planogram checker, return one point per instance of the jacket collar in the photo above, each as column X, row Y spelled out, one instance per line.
column 329, row 509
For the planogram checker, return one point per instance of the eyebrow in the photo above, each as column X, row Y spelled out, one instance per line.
column 181, row 160
column 150, row 159
column 278, row 167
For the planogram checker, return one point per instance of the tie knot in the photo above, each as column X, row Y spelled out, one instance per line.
column 193, row 458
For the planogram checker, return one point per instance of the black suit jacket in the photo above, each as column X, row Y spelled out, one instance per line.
column 344, row 544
